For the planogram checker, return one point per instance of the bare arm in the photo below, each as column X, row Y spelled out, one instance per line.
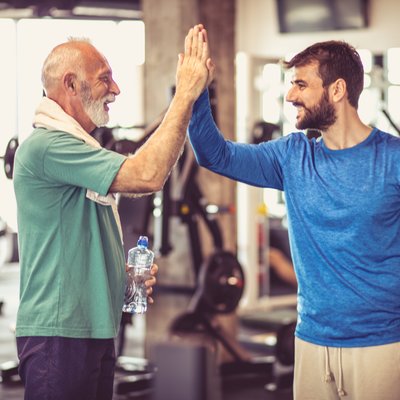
column 148, row 169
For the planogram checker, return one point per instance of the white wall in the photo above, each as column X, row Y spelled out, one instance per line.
column 258, row 36
column 257, row 30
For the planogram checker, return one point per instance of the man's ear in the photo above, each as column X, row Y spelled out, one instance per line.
column 70, row 83
column 338, row 90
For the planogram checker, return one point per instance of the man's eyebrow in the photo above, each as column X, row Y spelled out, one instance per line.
column 105, row 72
column 105, row 75
column 298, row 81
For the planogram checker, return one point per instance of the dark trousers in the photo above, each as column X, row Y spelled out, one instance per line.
column 59, row 368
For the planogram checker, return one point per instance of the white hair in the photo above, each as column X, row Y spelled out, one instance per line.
column 62, row 57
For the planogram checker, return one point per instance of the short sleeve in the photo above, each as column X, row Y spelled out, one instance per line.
column 68, row 160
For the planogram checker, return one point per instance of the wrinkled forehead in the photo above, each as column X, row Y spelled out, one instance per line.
column 95, row 62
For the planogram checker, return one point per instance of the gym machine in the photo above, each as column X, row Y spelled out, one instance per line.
column 220, row 287
column 8, row 370
column 8, row 157
column 8, row 240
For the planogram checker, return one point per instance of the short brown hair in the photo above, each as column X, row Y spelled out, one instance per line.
column 336, row 59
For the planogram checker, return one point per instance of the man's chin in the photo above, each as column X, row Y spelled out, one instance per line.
column 100, row 122
column 299, row 125
column 303, row 125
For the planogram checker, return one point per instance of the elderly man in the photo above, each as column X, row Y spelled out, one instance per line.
column 71, row 254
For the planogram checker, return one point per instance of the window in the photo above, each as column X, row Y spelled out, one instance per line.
column 28, row 43
column 8, row 100
column 126, row 60
column 393, row 90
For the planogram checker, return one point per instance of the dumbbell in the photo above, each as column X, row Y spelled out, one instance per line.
column 8, row 157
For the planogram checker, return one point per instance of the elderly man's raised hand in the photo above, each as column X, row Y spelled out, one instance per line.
column 195, row 69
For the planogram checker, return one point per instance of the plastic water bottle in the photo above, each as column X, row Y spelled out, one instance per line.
column 140, row 260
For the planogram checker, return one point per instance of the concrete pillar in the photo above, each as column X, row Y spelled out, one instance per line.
column 219, row 19
column 166, row 25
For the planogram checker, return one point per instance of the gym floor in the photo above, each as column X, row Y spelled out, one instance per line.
column 141, row 336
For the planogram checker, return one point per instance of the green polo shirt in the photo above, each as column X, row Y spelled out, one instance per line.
column 71, row 256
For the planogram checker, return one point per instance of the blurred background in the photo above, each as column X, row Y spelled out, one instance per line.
column 198, row 212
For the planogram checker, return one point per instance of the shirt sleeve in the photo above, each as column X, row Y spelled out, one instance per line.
column 68, row 160
column 258, row 165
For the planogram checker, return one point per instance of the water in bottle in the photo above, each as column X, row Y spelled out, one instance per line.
column 140, row 260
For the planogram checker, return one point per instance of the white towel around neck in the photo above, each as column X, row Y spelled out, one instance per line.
column 51, row 116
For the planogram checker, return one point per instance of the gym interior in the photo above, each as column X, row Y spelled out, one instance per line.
column 224, row 309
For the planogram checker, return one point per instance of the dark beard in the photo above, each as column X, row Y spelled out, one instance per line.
column 319, row 117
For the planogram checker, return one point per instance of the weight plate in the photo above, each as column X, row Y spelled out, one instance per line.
column 9, row 157
column 222, row 283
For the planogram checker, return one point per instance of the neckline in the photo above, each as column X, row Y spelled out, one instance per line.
column 368, row 139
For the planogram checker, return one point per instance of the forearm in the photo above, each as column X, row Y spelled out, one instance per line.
column 151, row 164
column 206, row 139
column 242, row 162
column 148, row 169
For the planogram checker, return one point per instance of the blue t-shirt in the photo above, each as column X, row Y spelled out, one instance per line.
column 343, row 211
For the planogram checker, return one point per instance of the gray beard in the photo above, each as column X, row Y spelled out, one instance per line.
column 95, row 111
column 94, row 108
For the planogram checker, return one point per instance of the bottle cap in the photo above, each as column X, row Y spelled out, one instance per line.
column 143, row 241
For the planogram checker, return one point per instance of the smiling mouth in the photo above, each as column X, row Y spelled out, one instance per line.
column 299, row 111
column 300, row 108
column 106, row 103
column 109, row 100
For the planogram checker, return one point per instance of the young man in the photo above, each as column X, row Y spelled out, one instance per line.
column 71, row 255
column 343, row 203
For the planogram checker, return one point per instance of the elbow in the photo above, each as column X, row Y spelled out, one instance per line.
column 202, row 162
column 154, row 183
column 156, row 186
column 140, row 177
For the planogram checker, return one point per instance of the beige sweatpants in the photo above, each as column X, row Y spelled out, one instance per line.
column 360, row 373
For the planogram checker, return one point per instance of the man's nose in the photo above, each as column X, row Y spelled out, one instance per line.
column 290, row 95
column 114, row 88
